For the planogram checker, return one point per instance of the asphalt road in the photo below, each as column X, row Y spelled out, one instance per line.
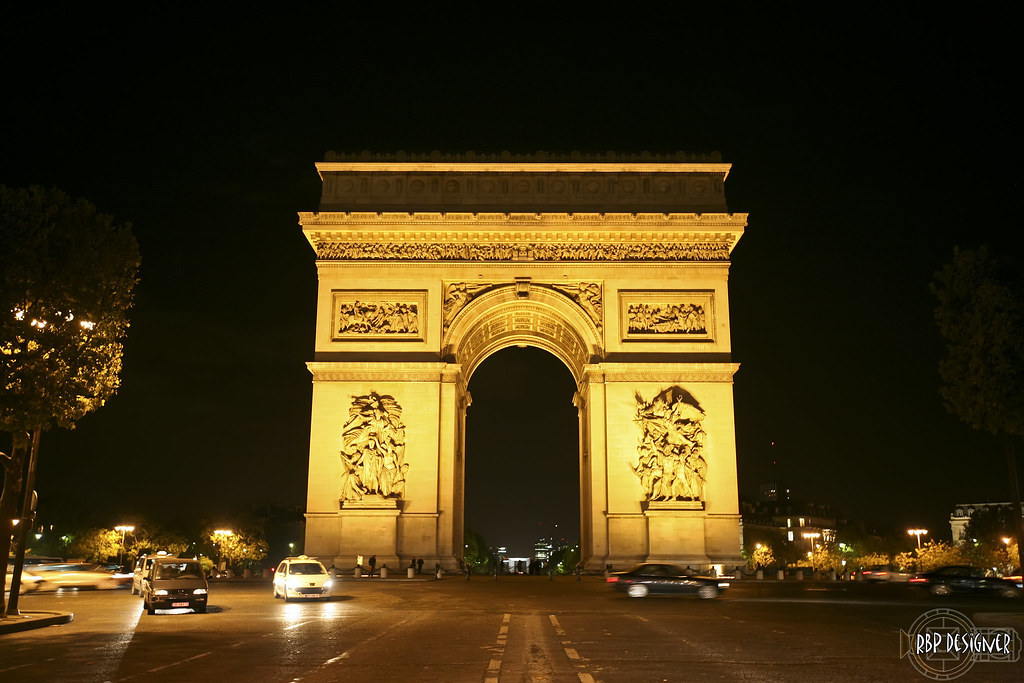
column 516, row 629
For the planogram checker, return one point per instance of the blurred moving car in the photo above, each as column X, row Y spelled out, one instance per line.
column 301, row 577
column 964, row 579
column 174, row 582
column 77, row 575
column 883, row 572
column 667, row 579
column 29, row 581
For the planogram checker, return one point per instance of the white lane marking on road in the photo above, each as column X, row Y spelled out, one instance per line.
column 180, row 661
column 332, row 660
column 558, row 627
column 301, row 623
column 507, row 618
column 586, row 678
column 571, row 653
column 12, row 668
column 503, row 630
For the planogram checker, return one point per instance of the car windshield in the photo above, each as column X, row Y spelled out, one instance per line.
column 308, row 568
column 179, row 570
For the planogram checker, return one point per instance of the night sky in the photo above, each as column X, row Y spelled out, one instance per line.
column 863, row 154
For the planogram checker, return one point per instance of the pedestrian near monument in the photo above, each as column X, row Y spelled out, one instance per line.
column 419, row 566
column 373, row 564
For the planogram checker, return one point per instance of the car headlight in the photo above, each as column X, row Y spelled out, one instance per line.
column 327, row 583
column 160, row 592
column 199, row 591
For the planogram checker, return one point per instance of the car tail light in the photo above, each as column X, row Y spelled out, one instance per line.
column 918, row 579
column 612, row 579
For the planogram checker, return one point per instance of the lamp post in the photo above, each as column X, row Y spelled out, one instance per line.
column 918, row 533
column 810, row 536
column 123, row 528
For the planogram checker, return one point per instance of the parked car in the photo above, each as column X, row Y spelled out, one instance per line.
column 653, row 578
column 883, row 572
column 966, row 580
column 174, row 582
column 301, row 577
column 77, row 575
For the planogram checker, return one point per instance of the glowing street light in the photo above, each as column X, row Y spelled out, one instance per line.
column 918, row 533
column 810, row 536
column 122, row 529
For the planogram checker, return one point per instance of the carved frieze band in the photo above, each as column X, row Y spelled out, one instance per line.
column 670, row 452
column 586, row 295
column 512, row 251
column 667, row 315
column 365, row 315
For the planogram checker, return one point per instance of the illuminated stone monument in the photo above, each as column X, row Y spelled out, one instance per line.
column 617, row 265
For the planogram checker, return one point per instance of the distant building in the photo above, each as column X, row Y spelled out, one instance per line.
column 962, row 514
column 790, row 519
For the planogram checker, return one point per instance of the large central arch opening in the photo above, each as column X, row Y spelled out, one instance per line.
column 522, row 451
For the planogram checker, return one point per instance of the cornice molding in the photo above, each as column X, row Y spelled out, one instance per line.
column 661, row 372
column 482, row 221
column 351, row 371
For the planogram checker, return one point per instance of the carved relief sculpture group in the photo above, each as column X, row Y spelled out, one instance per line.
column 681, row 318
column 361, row 251
column 671, row 463
column 360, row 317
column 373, row 449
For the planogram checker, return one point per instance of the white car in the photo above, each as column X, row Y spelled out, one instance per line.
column 301, row 578
column 142, row 566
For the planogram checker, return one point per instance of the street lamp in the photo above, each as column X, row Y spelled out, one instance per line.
column 918, row 533
column 810, row 536
column 122, row 529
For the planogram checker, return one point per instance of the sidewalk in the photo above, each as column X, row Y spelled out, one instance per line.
column 30, row 620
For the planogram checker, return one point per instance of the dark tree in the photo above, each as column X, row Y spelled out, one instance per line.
column 67, row 274
column 980, row 314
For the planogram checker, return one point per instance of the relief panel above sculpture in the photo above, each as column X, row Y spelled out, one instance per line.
column 373, row 450
column 667, row 315
column 670, row 463
column 363, row 315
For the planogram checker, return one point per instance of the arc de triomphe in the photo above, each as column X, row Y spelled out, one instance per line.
column 618, row 265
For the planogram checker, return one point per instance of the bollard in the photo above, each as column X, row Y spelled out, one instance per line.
column 384, row 571
column 780, row 575
column 832, row 575
column 738, row 574
column 438, row 571
column 799, row 574
column 846, row 575
column 860, row 575
column 410, row 572
column 760, row 574
column 359, row 572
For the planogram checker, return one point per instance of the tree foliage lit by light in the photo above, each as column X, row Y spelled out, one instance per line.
column 67, row 276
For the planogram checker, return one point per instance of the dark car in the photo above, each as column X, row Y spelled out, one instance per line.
column 966, row 580
column 667, row 579
column 174, row 582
